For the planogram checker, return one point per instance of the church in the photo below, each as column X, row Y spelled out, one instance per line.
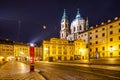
column 77, row 26
column 102, row 40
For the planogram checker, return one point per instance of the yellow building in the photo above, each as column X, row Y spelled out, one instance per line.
column 6, row 50
column 104, row 40
column 21, row 51
column 58, row 49
column 38, row 53
column 81, row 52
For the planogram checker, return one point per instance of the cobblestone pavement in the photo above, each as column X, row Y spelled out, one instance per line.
column 14, row 70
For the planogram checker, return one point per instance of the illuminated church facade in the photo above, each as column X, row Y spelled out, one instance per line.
column 102, row 40
column 77, row 26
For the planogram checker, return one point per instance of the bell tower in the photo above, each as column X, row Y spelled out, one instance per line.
column 64, row 26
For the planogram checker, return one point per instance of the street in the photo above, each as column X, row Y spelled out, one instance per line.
column 61, row 71
column 14, row 70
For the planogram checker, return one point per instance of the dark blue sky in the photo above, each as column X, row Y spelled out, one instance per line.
column 33, row 14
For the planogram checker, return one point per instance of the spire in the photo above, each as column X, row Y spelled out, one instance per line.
column 64, row 14
column 78, row 14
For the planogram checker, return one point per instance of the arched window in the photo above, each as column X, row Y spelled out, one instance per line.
column 80, row 27
column 74, row 29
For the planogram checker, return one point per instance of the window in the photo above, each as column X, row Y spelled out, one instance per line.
column 103, row 54
column 119, row 53
column 119, row 46
column 90, row 32
column 96, row 42
column 111, row 39
column 103, row 34
column 90, row 37
column 119, row 37
column 111, row 26
column 119, row 30
column 96, row 31
column 119, row 23
column 103, row 28
column 96, row 36
column 111, row 32
column 96, row 49
column 80, row 28
column 90, row 43
column 103, row 48
column 90, row 49
column 74, row 29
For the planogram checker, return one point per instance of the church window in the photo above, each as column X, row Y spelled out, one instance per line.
column 80, row 28
column 62, row 35
column 74, row 29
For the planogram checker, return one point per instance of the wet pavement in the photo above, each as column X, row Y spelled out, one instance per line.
column 14, row 70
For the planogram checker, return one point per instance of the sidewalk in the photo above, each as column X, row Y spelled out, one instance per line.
column 101, row 61
column 18, row 71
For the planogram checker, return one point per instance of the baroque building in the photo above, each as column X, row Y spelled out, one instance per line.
column 102, row 41
column 62, row 50
column 77, row 26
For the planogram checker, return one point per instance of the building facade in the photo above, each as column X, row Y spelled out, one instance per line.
column 62, row 50
column 58, row 49
column 6, row 50
column 102, row 41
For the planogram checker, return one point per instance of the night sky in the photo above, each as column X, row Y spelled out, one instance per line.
column 22, row 20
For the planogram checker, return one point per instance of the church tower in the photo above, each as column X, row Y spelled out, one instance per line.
column 64, row 26
column 77, row 26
